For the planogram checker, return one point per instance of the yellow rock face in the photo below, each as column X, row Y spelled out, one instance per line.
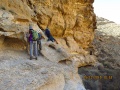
column 65, row 18
column 74, row 18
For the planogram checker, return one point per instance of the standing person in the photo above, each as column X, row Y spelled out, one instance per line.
column 29, row 38
column 50, row 37
column 40, row 35
column 33, row 44
column 39, row 43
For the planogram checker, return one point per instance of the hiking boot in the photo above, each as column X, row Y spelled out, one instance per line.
column 36, row 58
column 30, row 58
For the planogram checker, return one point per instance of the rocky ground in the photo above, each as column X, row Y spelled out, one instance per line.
column 107, row 49
column 17, row 72
column 55, row 69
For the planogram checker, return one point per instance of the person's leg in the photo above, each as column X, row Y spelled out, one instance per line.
column 52, row 39
column 35, row 49
column 40, row 45
column 48, row 39
column 31, row 49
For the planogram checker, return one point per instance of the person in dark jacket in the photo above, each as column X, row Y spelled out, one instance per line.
column 49, row 36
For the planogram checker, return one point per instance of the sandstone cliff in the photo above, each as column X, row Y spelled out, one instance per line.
column 72, row 23
column 69, row 21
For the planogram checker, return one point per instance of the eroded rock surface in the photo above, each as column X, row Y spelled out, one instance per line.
column 74, row 18
column 18, row 72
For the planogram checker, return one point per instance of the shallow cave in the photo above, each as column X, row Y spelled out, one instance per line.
column 13, row 43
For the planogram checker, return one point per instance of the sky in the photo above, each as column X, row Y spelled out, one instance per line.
column 109, row 9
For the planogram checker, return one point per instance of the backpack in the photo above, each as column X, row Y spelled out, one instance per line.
column 35, row 35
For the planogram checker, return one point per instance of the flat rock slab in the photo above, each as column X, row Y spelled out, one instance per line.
column 54, row 52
